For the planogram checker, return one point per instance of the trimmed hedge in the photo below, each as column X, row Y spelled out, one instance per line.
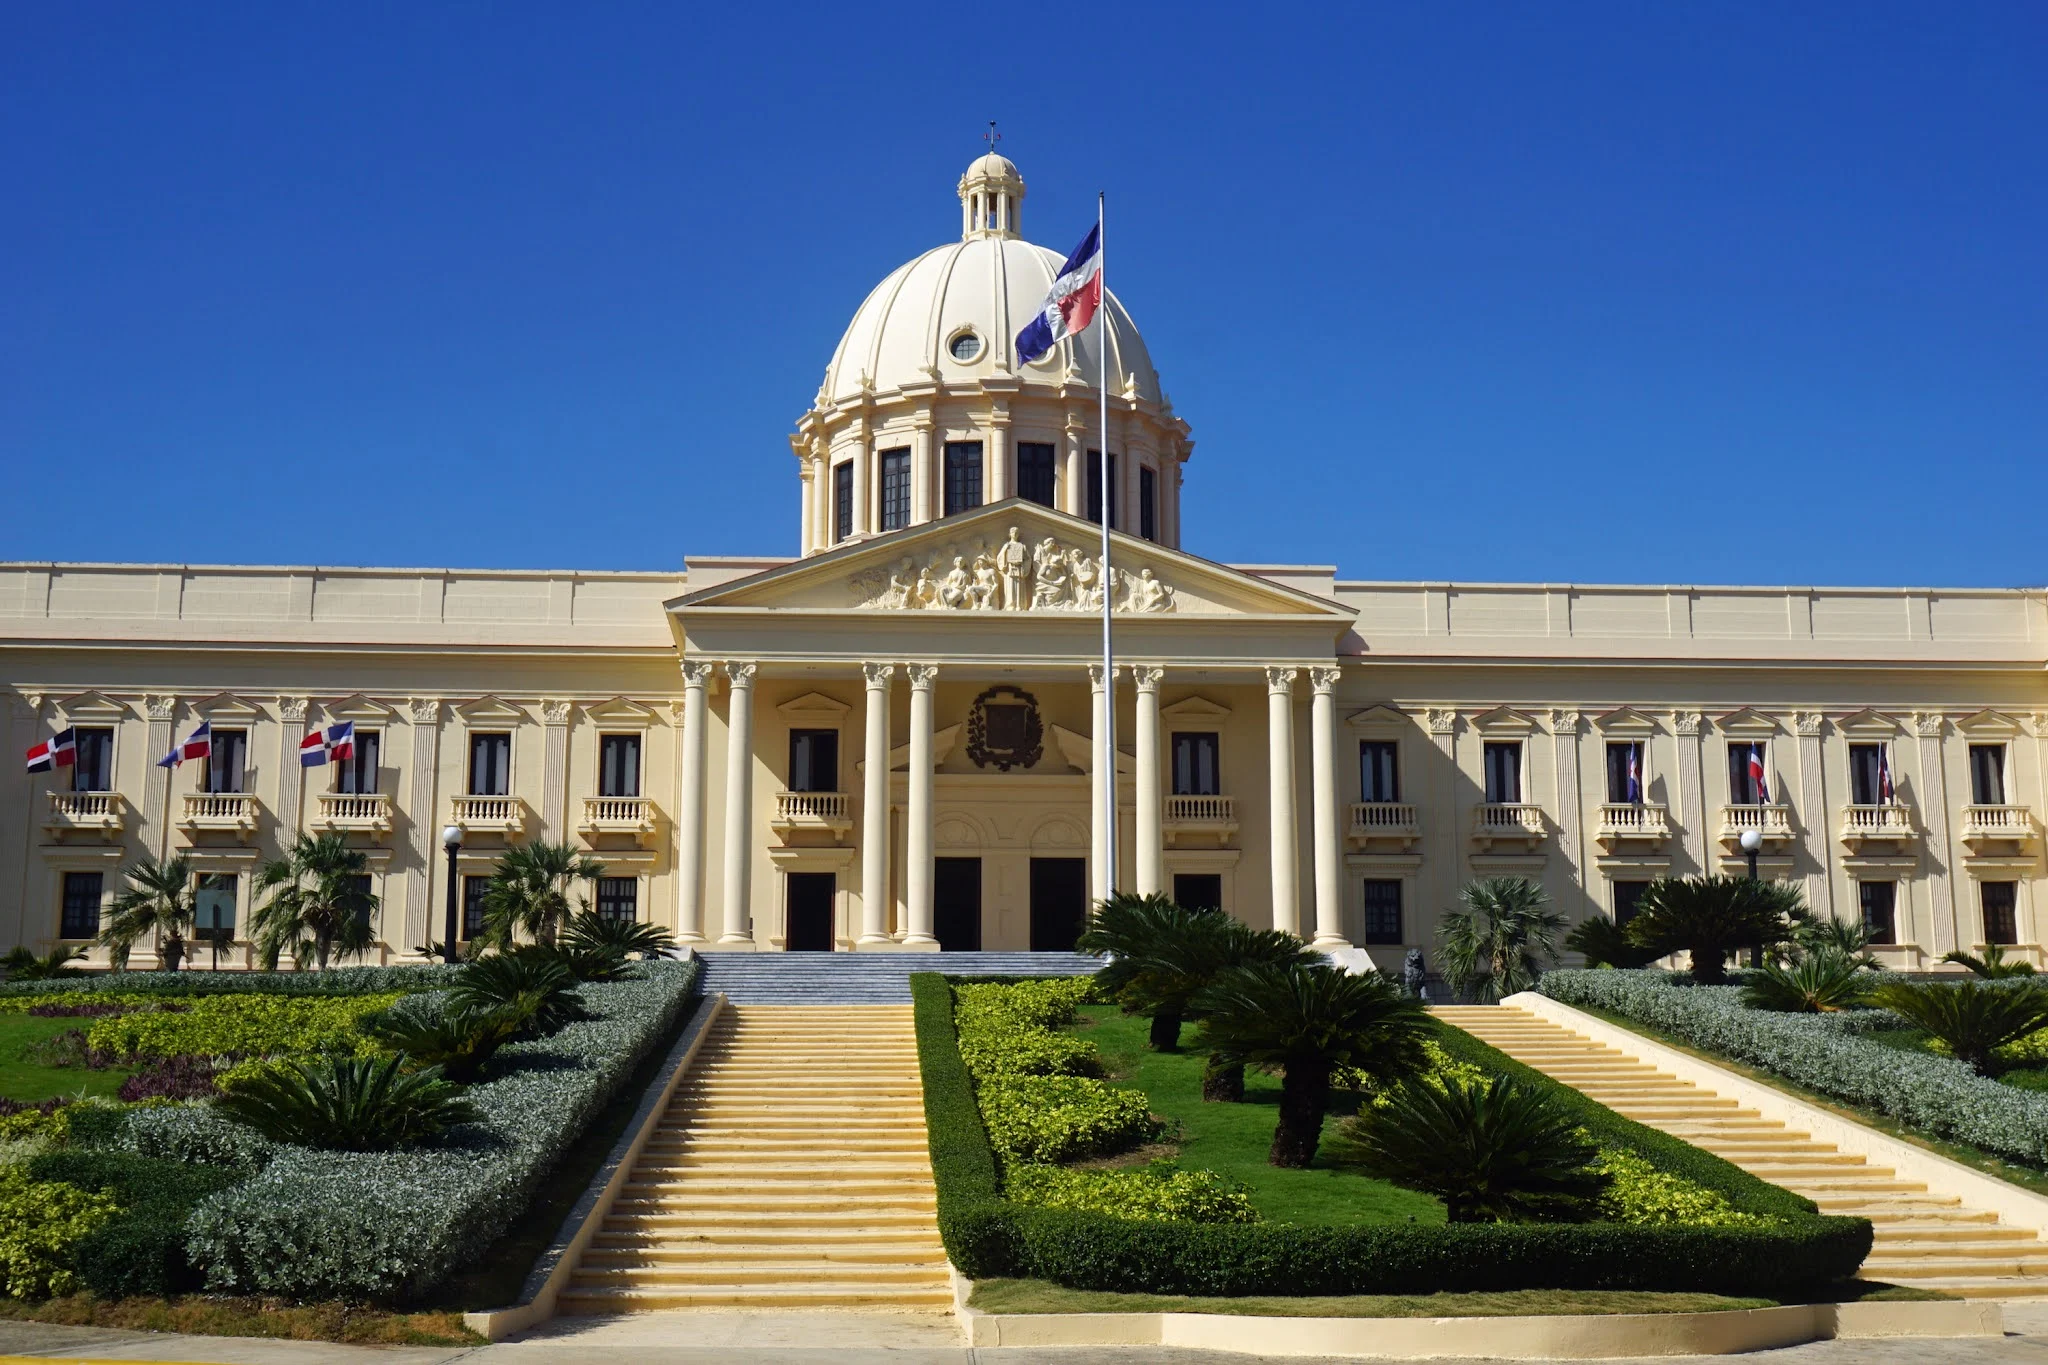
column 19, row 995
column 141, row 1249
column 1822, row 1052
column 987, row 1236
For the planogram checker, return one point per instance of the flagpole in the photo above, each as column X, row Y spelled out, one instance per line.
column 1108, row 595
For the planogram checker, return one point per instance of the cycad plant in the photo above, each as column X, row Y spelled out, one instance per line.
column 1816, row 983
column 1993, row 966
column 529, row 891
column 458, row 1041
column 22, row 964
column 156, row 900
column 1712, row 917
column 1493, row 1151
column 1131, row 932
column 1603, row 943
column 1816, row 937
column 1188, row 962
column 1304, row 1022
column 531, row 984
column 598, row 949
column 349, row 1104
column 318, row 907
column 1972, row 1019
column 1501, row 941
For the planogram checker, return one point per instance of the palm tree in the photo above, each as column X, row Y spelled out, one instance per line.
column 158, row 900
column 1501, row 941
column 1304, row 1022
column 1973, row 1019
column 1603, row 943
column 318, row 905
column 1130, row 930
column 1993, row 966
column 529, row 891
column 1711, row 917
column 1818, row 983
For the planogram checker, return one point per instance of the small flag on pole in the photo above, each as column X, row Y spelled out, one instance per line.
column 334, row 744
column 1885, row 794
column 1756, row 775
column 58, row 751
column 198, row 744
column 1071, row 302
column 1635, row 775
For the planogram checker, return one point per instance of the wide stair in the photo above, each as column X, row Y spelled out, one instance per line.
column 790, row 1171
column 1924, row 1239
column 748, row 978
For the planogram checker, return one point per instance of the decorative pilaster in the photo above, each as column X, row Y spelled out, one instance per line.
column 1150, row 852
column 1813, row 812
column 1939, row 857
column 1282, row 845
column 156, row 782
column 806, row 472
column 424, row 828
column 739, row 805
column 1692, row 800
column 1323, row 793
column 1441, row 838
column 874, row 809
column 554, row 770
column 924, row 476
column 999, row 453
column 1075, row 500
column 690, row 806
column 918, row 875
column 1564, row 731
column 291, row 780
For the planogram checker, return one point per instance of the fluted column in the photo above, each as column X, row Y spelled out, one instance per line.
column 923, row 471
column 690, row 808
column 1075, row 503
column 917, row 877
column 807, row 472
column 874, row 812
column 1323, row 770
column 1101, row 790
column 1151, row 868
column 739, row 803
column 1283, row 848
column 999, row 453
column 291, row 779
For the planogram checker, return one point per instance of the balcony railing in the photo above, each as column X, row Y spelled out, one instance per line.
column 101, row 813
column 1984, row 826
column 1210, row 815
column 224, row 812
column 1391, row 822
column 354, row 813
column 1890, row 822
column 812, row 811
column 630, row 815
column 1774, row 823
column 1507, row 822
column 503, row 815
column 1633, row 822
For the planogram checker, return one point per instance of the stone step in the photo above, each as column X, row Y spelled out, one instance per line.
column 811, row 1272
column 794, row 1258
column 912, row 1233
column 1970, row 1287
column 630, row 1299
column 747, row 1223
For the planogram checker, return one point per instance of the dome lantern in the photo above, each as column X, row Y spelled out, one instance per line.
column 991, row 193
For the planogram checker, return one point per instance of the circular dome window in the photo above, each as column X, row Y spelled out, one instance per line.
column 965, row 347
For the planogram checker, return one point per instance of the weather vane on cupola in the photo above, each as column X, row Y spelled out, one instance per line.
column 991, row 137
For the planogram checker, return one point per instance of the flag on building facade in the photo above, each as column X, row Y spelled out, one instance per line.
column 58, row 751
column 1635, row 774
column 1756, row 775
column 331, row 745
column 1885, row 794
column 1071, row 302
column 198, row 744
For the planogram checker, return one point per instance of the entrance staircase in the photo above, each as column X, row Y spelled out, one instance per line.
column 790, row 1171
column 1924, row 1239
column 747, row 978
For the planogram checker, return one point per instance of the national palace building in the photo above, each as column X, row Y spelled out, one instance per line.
column 887, row 742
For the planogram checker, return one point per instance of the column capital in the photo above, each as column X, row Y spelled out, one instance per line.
column 423, row 710
column 293, row 708
column 921, row 676
column 554, row 711
column 697, row 672
column 1095, row 675
column 1687, row 722
column 1806, row 722
column 740, row 675
column 878, row 675
column 1324, row 680
column 159, row 707
column 1441, row 720
column 1147, row 676
column 1280, row 681
column 1927, row 723
column 1564, row 722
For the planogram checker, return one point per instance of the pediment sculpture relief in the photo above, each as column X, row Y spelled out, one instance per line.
column 1011, row 576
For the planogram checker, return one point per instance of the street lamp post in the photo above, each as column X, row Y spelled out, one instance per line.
column 1752, row 842
column 451, row 839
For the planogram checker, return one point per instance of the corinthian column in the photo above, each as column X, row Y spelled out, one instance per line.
column 1101, row 790
column 1151, row 826
column 874, row 811
column 690, row 808
column 1282, row 848
column 1323, row 770
column 739, row 804
column 917, row 876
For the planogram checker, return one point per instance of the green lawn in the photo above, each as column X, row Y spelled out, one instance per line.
column 1231, row 1139
column 30, row 1083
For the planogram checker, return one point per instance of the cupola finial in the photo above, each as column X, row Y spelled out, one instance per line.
column 991, row 193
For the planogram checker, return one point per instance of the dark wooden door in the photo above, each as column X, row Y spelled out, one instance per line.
column 1059, row 903
column 808, row 928
column 956, row 904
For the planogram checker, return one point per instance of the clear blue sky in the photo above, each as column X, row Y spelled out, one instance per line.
column 1724, row 293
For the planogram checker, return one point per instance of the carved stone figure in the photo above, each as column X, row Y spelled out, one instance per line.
column 1087, row 577
column 1049, row 576
column 1149, row 594
column 1011, row 561
column 987, row 591
column 955, row 590
column 1415, row 976
column 1010, row 576
column 924, row 595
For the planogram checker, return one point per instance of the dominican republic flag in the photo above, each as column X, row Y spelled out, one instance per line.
column 58, row 751
column 1885, row 794
column 1071, row 303
column 198, row 744
column 1756, row 775
column 1635, row 774
column 332, row 745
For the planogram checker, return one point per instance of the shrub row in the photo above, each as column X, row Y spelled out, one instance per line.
column 19, row 995
column 1165, row 1196
column 1036, row 1089
column 1937, row 1095
column 244, row 1025
column 389, row 1226
column 986, row 1235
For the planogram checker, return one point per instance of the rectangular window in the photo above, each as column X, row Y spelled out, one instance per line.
column 227, row 765
column 93, row 768
column 1503, row 772
column 473, row 891
column 213, row 907
column 490, row 765
column 963, row 476
column 1198, row 890
column 2000, row 902
column 1148, row 503
column 1035, row 481
column 842, row 500
column 1987, row 774
column 1194, row 764
column 1626, row 894
column 1747, row 785
column 1880, row 901
column 82, row 893
column 1383, row 912
column 814, row 760
column 357, row 776
column 360, row 888
column 1867, row 775
column 618, row 765
column 618, row 899
column 895, row 489
column 1379, row 770
column 1095, row 488
column 1625, row 773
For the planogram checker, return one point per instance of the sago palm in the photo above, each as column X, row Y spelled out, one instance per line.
column 317, row 906
column 1712, row 917
column 156, row 900
column 1603, row 943
column 598, row 949
column 1993, row 966
column 530, row 888
column 531, row 985
column 1501, row 941
column 1818, row 983
column 1972, row 1019
column 1131, row 931
column 350, row 1104
column 1304, row 1022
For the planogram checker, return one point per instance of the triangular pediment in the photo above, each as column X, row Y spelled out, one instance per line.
column 1988, row 725
column 1192, row 709
column 1747, row 724
column 360, row 709
column 1504, row 720
column 89, row 707
column 962, row 564
column 229, row 707
column 813, row 709
column 1868, row 724
column 1625, row 720
column 620, row 711
column 491, row 711
column 1378, row 720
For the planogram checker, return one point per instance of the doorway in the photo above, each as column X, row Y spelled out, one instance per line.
column 956, row 904
column 807, row 910
column 1059, row 903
